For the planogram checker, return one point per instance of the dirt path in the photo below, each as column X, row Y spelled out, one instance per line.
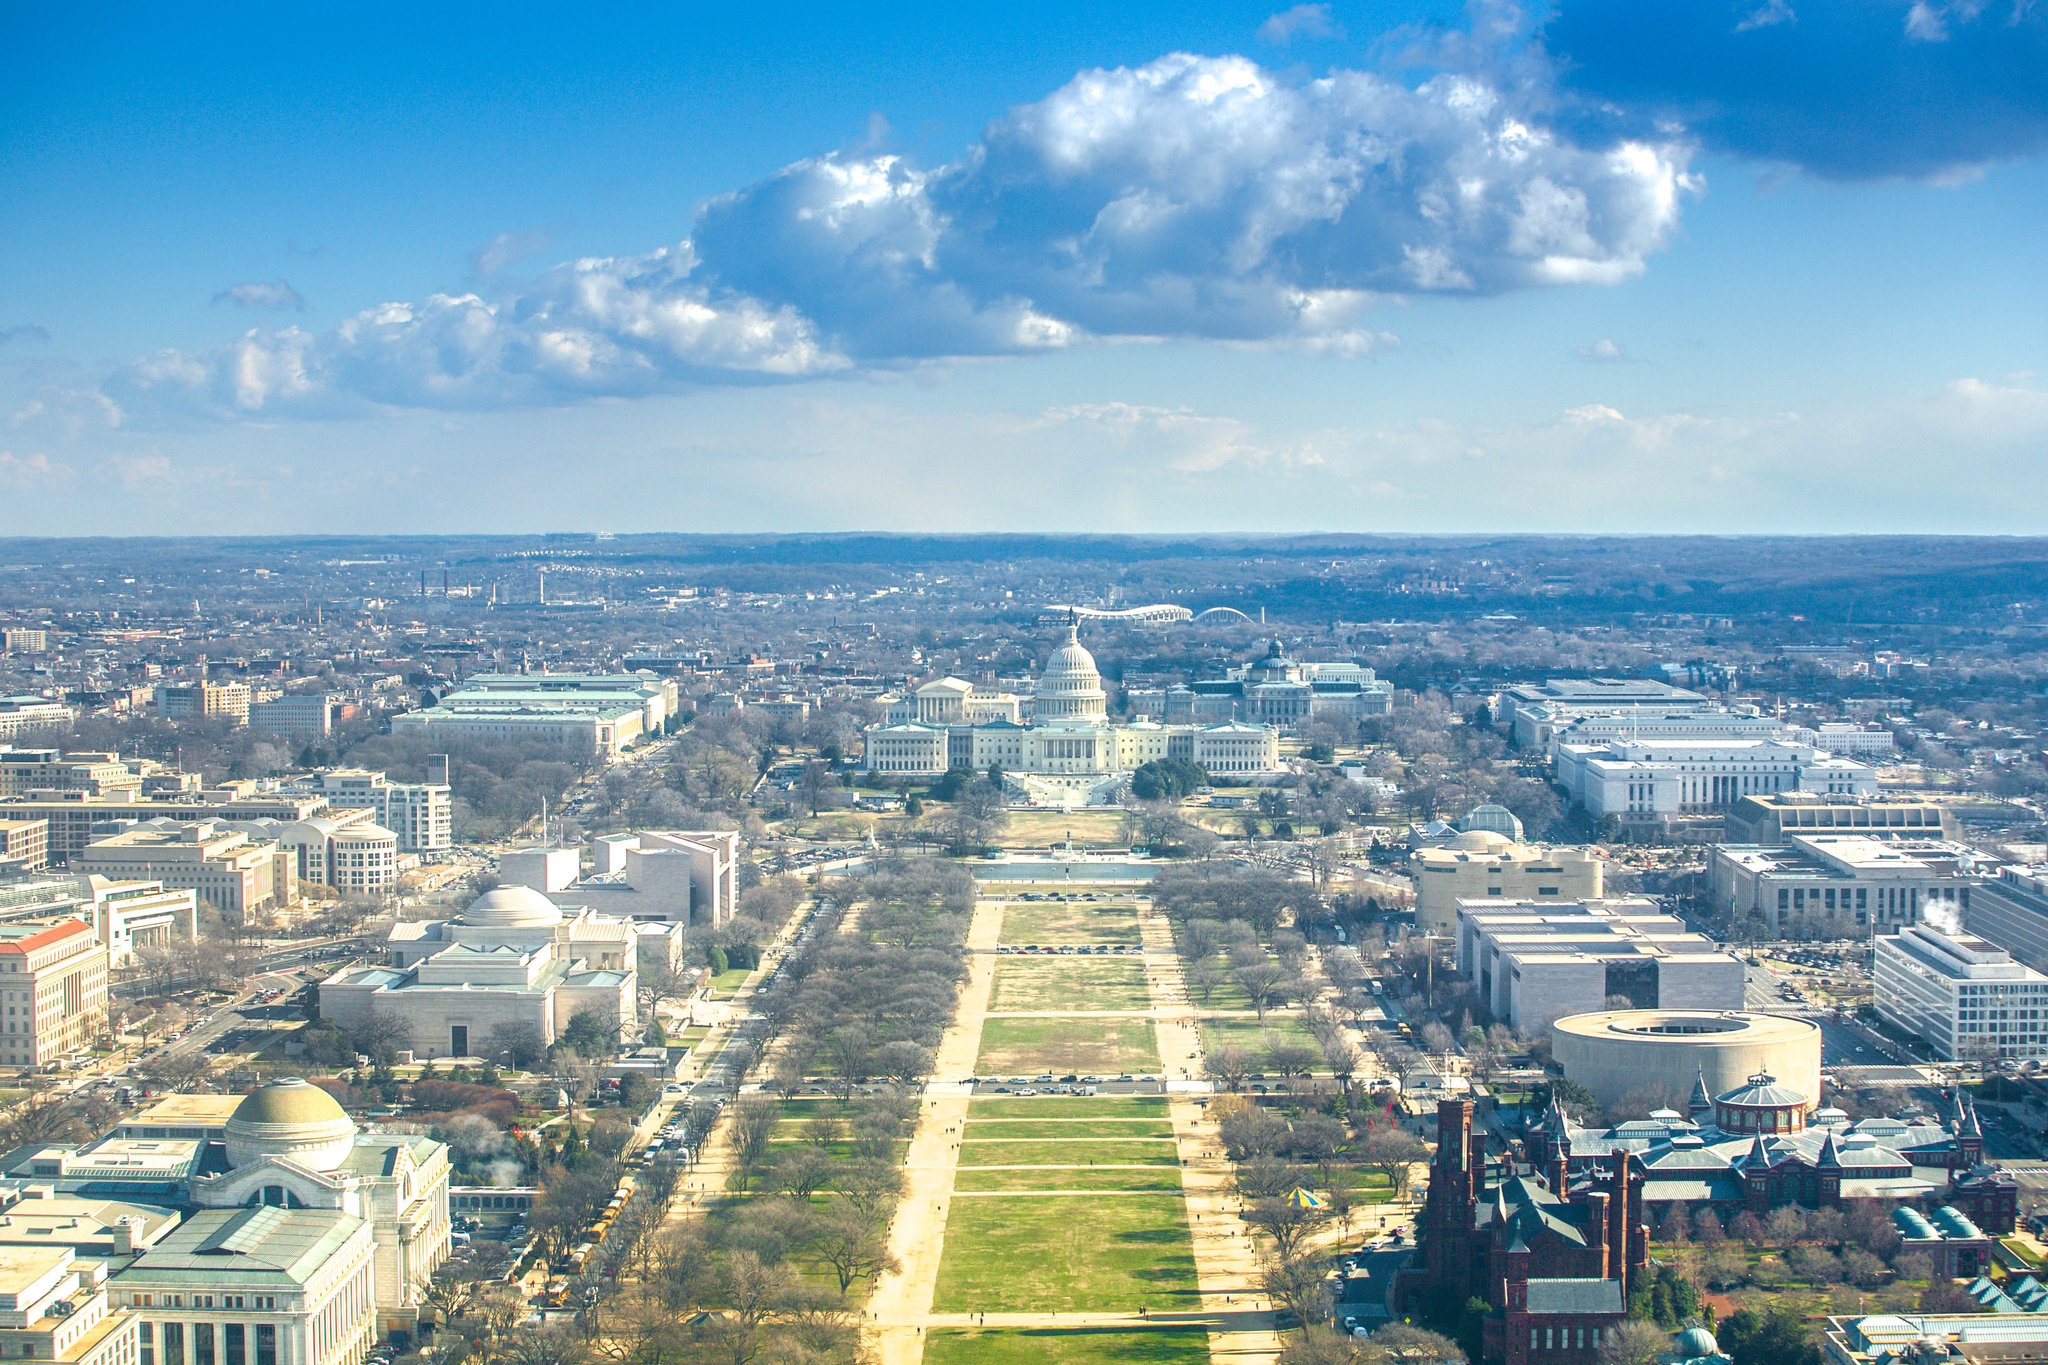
column 901, row 1304
column 1226, row 1259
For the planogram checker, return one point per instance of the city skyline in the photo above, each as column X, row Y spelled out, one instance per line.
column 1756, row 267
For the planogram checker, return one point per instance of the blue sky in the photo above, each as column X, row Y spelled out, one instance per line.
column 1740, row 265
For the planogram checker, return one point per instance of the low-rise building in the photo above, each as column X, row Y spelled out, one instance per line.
column 512, row 959
column 53, row 986
column 1483, row 864
column 1535, row 962
column 596, row 713
column 1775, row 818
column 125, row 915
column 53, row 1306
column 1937, row 1339
column 52, row 770
column 1967, row 998
column 25, row 714
column 1844, row 885
column 1645, row 781
column 1537, row 711
column 78, row 817
column 681, row 876
column 353, row 856
column 240, row 878
column 112, row 1232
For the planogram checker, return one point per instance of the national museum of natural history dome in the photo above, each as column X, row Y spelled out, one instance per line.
column 1058, row 747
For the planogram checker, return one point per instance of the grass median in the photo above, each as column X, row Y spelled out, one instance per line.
column 1058, row 1254
column 1066, row 1346
column 1097, row 1046
column 1069, row 983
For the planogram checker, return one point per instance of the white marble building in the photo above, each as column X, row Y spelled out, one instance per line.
column 1069, row 753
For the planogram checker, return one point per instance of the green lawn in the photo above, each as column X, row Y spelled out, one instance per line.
column 1054, row 1254
column 1070, row 983
column 1249, row 1035
column 1067, row 1106
column 978, row 1127
column 1061, row 1346
column 1057, row 922
column 970, row 1179
column 1135, row 1152
column 731, row 979
column 1089, row 1047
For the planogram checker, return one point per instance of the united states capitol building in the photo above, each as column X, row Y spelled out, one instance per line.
column 1057, row 747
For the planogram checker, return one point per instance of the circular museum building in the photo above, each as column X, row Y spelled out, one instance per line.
column 1615, row 1052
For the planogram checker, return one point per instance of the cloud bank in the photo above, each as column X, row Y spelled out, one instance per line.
column 1200, row 197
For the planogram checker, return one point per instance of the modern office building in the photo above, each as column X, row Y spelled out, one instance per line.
column 1534, row 962
column 78, row 817
column 421, row 814
column 241, row 878
column 678, row 876
column 2011, row 910
column 25, row 714
column 301, row 717
column 24, row 845
column 53, row 985
column 1616, row 1053
column 24, row 640
column 198, row 700
column 52, row 770
column 354, row 856
column 1482, row 864
column 1967, row 998
column 1775, row 818
column 596, row 713
column 125, row 915
column 1845, row 885
column 512, row 958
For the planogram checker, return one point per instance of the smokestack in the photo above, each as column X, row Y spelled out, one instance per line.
column 444, row 582
column 423, row 583
column 543, row 587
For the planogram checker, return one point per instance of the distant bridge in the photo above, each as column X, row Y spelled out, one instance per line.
column 1156, row 613
column 1221, row 614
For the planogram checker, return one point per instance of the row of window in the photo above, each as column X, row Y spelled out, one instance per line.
column 234, row 1338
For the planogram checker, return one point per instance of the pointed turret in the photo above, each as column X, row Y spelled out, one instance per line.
column 1701, row 1104
column 1829, row 1158
column 1759, row 1155
column 1961, row 1116
column 1970, row 1128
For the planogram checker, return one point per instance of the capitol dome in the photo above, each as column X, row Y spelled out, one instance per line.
column 293, row 1119
column 1071, row 686
column 512, row 907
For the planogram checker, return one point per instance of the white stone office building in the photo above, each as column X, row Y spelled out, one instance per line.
column 1482, row 865
column 1537, row 711
column 511, row 958
column 1644, row 781
column 598, row 713
column 1845, row 885
column 1968, row 998
column 1534, row 962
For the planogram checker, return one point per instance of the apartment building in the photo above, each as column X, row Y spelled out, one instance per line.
column 53, row 985
column 23, row 640
column 192, row 701
column 238, row 877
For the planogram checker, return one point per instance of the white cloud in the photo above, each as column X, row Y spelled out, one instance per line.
column 1767, row 15
column 1303, row 21
column 274, row 294
column 508, row 248
column 32, row 472
column 1603, row 351
column 1197, row 197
